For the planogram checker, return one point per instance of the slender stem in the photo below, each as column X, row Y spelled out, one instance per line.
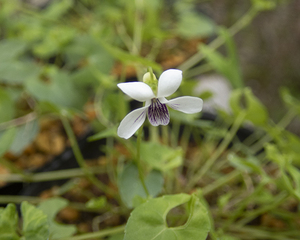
column 138, row 24
column 284, row 122
column 203, row 68
column 150, row 70
column 154, row 135
column 49, row 176
column 175, row 134
column 169, row 182
column 184, row 142
column 219, row 41
column 239, row 211
column 124, row 35
column 255, row 213
column 110, row 165
column 11, row 167
column 252, row 232
column 236, row 174
column 36, row 200
column 138, row 160
column 19, row 199
column 165, row 134
column 224, row 144
column 80, row 159
column 244, row 21
column 156, row 46
column 99, row 234
column 19, row 121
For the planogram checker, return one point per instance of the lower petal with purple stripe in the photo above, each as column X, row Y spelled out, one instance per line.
column 158, row 113
column 132, row 122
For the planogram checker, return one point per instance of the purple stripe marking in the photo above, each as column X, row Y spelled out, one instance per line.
column 158, row 113
column 139, row 116
column 174, row 105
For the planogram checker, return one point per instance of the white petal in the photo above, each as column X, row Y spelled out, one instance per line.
column 158, row 113
column 168, row 82
column 137, row 90
column 185, row 104
column 132, row 122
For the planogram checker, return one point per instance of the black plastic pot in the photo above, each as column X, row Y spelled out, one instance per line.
column 66, row 160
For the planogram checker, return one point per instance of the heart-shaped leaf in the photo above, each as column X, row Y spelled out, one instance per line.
column 148, row 221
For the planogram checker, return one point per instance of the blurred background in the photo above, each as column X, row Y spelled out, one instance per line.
column 268, row 49
column 61, row 60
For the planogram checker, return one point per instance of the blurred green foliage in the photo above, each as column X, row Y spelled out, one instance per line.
column 60, row 54
column 56, row 58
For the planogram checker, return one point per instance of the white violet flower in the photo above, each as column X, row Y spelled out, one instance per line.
column 153, row 93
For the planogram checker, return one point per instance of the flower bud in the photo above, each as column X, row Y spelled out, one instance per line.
column 151, row 81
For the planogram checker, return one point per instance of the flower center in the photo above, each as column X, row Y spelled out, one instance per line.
column 158, row 113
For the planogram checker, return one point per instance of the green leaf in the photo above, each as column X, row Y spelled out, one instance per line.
column 110, row 132
column 236, row 74
column 250, row 164
column 60, row 90
column 113, row 107
column 275, row 155
column 33, row 31
column 96, row 203
column 130, row 185
column 289, row 178
column 161, row 157
column 44, row 107
column 11, row 49
column 18, row 72
column 85, row 77
column 264, row 5
column 129, row 58
column 152, row 21
column 256, row 112
column 224, row 199
column 195, row 25
column 24, row 136
column 227, row 237
column 295, row 173
column 116, row 237
column 6, row 139
column 51, row 207
column 87, row 49
column 11, row 69
column 290, row 100
column 9, row 223
column 7, row 108
column 57, row 9
column 286, row 141
column 54, row 41
column 35, row 222
column 148, row 221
